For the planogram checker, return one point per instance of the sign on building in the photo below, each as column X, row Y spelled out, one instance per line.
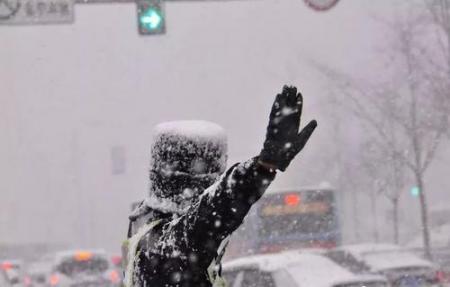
column 24, row 12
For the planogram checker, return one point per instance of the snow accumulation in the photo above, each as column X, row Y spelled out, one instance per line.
column 132, row 248
column 192, row 129
column 316, row 270
column 265, row 262
column 306, row 268
column 381, row 257
column 358, row 250
column 393, row 260
column 165, row 205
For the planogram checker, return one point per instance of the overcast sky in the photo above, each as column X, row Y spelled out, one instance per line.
column 71, row 93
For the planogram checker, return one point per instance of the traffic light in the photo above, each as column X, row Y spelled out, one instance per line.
column 415, row 191
column 151, row 18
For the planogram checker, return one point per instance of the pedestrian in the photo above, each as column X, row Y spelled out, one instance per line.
column 178, row 234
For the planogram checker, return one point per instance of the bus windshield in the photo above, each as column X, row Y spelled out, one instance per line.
column 283, row 220
column 293, row 224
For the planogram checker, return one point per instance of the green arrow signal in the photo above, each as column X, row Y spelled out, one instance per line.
column 151, row 19
column 415, row 191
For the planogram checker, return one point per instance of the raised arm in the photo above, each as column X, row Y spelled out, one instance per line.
column 222, row 207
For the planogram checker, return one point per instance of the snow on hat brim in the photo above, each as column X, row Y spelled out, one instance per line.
column 193, row 129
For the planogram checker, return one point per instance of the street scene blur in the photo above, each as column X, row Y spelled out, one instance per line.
column 239, row 143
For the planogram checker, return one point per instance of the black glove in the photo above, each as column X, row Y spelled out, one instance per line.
column 283, row 142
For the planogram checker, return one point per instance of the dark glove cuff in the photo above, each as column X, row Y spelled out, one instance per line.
column 264, row 174
column 265, row 168
column 272, row 159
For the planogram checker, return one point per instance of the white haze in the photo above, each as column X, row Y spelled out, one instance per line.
column 71, row 93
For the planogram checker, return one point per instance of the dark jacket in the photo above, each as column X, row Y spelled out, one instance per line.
column 179, row 250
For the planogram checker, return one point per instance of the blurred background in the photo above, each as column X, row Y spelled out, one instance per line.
column 78, row 103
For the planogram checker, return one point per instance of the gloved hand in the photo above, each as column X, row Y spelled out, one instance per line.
column 283, row 141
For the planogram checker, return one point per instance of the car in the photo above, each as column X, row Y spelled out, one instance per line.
column 440, row 242
column 402, row 267
column 12, row 270
column 81, row 268
column 37, row 274
column 294, row 269
column 441, row 257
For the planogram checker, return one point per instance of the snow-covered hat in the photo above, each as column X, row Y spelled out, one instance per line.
column 194, row 147
column 186, row 150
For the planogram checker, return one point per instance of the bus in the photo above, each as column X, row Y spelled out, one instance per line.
column 288, row 219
